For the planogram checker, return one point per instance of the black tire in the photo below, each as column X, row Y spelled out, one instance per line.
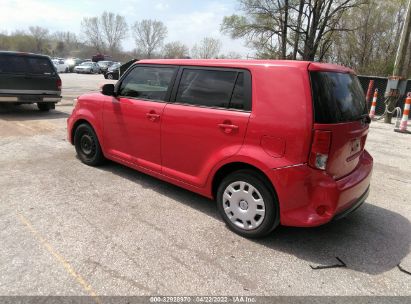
column 271, row 217
column 43, row 106
column 67, row 70
column 87, row 145
column 110, row 76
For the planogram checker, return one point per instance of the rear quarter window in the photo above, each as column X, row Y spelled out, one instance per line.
column 39, row 66
column 337, row 97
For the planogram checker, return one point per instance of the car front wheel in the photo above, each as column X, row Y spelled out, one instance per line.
column 248, row 204
column 87, row 145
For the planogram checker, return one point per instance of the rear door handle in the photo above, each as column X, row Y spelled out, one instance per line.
column 228, row 127
column 152, row 116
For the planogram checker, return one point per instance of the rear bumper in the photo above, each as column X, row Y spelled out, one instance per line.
column 82, row 71
column 354, row 207
column 310, row 197
column 29, row 98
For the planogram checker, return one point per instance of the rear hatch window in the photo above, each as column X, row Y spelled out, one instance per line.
column 26, row 65
column 340, row 125
column 337, row 97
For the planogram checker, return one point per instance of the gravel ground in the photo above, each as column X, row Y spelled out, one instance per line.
column 69, row 229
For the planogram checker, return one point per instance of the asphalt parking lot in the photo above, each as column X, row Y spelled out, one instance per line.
column 70, row 229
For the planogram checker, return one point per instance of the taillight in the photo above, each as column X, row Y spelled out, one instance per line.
column 320, row 149
column 58, row 83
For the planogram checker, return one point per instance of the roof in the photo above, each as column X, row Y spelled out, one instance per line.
column 249, row 63
column 23, row 54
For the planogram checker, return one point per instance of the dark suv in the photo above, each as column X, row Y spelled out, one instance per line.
column 29, row 78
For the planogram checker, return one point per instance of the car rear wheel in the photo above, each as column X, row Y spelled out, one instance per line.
column 43, row 106
column 87, row 146
column 248, row 204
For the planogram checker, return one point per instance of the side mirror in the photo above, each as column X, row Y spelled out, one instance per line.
column 108, row 89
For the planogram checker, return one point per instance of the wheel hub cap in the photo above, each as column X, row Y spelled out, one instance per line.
column 87, row 144
column 244, row 205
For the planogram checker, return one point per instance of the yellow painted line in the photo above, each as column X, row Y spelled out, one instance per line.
column 80, row 280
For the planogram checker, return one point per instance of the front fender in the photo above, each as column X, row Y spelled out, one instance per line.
column 89, row 116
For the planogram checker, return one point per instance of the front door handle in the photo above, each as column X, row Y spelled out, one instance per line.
column 152, row 116
column 227, row 127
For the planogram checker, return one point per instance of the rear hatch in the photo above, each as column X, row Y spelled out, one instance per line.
column 28, row 74
column 340, row 122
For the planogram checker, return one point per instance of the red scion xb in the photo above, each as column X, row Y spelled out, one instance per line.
column 273, row 142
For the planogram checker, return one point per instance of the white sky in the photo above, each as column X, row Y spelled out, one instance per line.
column 187, row 20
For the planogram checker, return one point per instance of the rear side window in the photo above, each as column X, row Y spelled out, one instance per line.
column 25, row 65
column 12, row 64
column 147, row 82
column 39, row 66
column 337, row 97
column 213, row 88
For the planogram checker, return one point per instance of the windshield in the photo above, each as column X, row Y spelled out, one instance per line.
column 115, row 66
column 337, row 97
column 86, row 63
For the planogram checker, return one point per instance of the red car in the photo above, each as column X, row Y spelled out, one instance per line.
column 273, row 142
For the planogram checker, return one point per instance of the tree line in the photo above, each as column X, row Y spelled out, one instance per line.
column 362, row 34
column 104, row 34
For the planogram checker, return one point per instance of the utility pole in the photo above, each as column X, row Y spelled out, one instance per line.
column 402, row 47
column 399, row 72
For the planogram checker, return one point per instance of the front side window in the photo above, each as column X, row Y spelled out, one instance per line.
column 147, row 82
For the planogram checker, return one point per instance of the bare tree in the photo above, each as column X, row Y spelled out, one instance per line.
column 65, row 43
column 207, row 48
column 105, row 33
column 149, row 36
column 114, row 30
column 40, row 36
column 175, row 50
column 289, row 28
column 93, row 33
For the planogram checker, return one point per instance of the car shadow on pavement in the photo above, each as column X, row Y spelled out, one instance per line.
column 371, row 240
column 10, row 112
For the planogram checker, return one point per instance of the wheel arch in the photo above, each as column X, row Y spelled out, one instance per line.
column 78, row 123
column 231, row 167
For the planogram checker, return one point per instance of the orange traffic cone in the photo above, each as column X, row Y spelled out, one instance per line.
column 369, row 92
column 405, row 114
column 374, row 104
